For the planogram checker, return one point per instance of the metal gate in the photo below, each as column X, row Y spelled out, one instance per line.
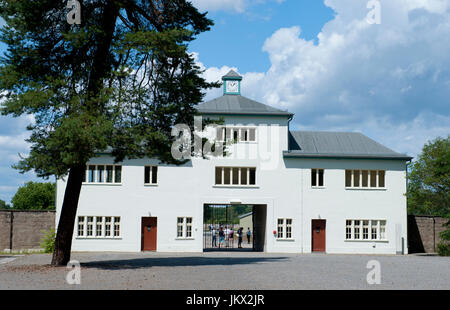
column 220, row 230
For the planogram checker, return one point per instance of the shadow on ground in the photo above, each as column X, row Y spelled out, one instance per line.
column 176, row 262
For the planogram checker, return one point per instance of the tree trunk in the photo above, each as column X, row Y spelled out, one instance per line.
column 63, row 241
column 100, row 69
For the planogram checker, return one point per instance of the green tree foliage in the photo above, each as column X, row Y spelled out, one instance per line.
column 429, row 180
column 4, row 205
column 429, row 186
column 119, row 80
column 35, row 196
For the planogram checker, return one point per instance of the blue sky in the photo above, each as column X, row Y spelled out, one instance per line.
column 323, row 61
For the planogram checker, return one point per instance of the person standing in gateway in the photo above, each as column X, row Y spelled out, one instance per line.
column 249, row 233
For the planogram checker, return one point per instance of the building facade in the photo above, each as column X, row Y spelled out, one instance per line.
column 330, row 192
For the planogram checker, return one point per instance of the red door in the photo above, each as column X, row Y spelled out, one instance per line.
column 149, row 226
column 318, row 235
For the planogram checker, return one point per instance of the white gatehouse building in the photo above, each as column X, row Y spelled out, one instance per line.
column 333, row 192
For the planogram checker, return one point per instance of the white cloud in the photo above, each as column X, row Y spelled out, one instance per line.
column 390, row 81
column 238, row 6
column 216, row 5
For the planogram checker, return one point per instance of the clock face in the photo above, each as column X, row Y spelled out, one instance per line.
column 232, row 86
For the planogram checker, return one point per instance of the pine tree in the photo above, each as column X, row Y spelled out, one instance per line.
column 119, row 80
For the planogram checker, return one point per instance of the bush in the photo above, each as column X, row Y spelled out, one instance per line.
column 48, row 241
column 444, row 248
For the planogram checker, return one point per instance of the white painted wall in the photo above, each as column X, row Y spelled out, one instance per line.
column 282, row 184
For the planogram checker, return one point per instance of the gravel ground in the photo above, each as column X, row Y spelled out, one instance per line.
column 236, row 271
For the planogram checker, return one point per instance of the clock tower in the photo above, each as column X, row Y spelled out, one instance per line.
column 232, row 83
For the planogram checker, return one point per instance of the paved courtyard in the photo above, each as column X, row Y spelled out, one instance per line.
column 225, row 270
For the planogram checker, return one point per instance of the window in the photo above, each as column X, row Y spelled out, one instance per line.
column 151, row 175
column 288, row 228
column 118, row 174
column 382, row 230
column 356, row 178
column 189, row 227
column 348, row 178
column 374, row 230
column 280, row 228
column 365, row 233
column 243, row 134
column 357, row 230
column 348, row 229
column 80, row 226
column 101, row 174
column 108, row 226
column 184, row 227
column 90, row 226
column 180, row 222
column 239, row 176
column 317, row 177
column 284, row 229
column 381, row 175
column 365, row 178
column 371, row 230
column 98, row 226
column 116, row 226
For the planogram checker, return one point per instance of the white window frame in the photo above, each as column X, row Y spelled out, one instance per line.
column 184, row 224
column 151, row 175
column 378, row 224
column 360, row 183
column 241, row 133
column 283, row 227
column 94, row 222
column 240, row 170
column 86, row 180
column 316, row 170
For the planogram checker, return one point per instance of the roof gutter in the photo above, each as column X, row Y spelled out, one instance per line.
column 290, row 154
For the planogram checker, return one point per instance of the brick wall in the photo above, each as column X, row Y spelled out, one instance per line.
column 27, row 227
column 423, row 233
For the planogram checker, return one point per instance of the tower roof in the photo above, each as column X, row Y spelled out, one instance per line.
column 232, row 75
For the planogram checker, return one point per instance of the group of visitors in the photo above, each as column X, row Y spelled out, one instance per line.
column 226, row 236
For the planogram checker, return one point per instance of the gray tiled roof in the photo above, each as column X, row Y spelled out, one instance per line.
column 237, row 104
column 311, row 144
